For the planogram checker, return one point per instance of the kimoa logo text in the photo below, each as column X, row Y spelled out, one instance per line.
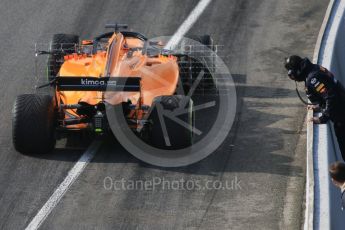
column 96, row 82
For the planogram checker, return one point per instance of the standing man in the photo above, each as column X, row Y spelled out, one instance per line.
column 324, row 91
column 337, row 173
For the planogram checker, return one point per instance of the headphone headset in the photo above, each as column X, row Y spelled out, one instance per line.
column 300, row 97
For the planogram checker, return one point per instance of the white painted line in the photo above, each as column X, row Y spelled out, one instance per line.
column 321, row 199
column 309, row 203
column 73, row 174
column 328, row 43
column 310, row 179
column 327, row 211
column 187, row 24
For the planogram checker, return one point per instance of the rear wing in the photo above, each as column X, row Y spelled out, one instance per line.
column 124, row 84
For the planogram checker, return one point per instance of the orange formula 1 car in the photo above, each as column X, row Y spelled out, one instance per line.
column 119, row 68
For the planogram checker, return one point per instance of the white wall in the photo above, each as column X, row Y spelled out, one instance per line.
column 327, row 208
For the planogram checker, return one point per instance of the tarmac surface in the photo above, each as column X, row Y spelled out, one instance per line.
column 262, row 159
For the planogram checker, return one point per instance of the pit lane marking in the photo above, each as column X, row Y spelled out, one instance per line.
column 60, row 191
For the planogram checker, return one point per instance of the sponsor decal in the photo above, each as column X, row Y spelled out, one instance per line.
column 112, row 83
column 92, row 82
column 323, row 90
column 320, row 87
column 97, row 82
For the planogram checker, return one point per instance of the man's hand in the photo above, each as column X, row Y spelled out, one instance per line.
column 315, row 120
column 316, row 108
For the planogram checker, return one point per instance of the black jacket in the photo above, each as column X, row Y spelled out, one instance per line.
column 323, row 89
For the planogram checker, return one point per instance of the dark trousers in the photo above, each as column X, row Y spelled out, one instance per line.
column 339, row 129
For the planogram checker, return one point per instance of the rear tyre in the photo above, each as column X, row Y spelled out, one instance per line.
column 33, row 124
column 65, row 42
column 179, row 136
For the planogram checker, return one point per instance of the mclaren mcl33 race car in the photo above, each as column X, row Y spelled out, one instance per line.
column 118, row 68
